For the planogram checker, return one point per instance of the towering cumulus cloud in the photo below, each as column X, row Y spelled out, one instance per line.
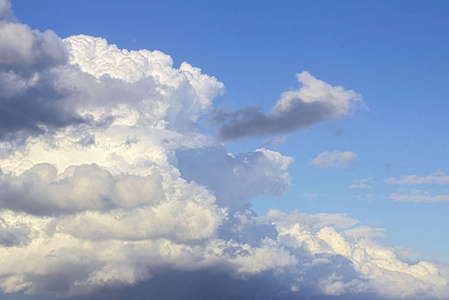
column 108, row 190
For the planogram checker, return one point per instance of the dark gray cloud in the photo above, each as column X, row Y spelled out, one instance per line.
column 32, row 100
column 25, row 51
column 249, row 122
column 34, row 109
column 11, row 236
column 315, row 102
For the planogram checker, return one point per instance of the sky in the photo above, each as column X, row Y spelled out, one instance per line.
column 224, row 149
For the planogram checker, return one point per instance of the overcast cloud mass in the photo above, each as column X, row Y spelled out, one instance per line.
column 108, row 190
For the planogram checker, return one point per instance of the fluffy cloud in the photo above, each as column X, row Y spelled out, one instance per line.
column 377, row 267
column 314, row 102
column 334, row 159
column 109, row 191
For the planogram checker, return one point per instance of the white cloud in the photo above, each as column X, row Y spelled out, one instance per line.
column 362, row 184
column 310, row 195
column 434, row 178
column 334, row 159
column 381, row 270
column 419, row 196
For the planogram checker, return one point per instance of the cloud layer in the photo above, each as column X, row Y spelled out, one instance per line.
column 108, row 190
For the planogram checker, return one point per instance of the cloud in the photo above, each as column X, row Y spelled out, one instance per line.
column 235, row 180
column 434, row 178
column 5, row 12
column 362, row 184
column 113, row 192
column 32, row 100
column 334, row 159
column 310, row 195
column 316, row 101
column 419, row 196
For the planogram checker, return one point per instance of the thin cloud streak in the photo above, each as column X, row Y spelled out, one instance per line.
column 434, row 178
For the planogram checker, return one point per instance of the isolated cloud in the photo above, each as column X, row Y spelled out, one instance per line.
column 434, row 178
column 334, row 159
column 362, row 184
column 113, row 192
column 314, row 102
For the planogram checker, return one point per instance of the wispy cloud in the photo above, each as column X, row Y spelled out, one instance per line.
column 434, row 178
column 419, row 196
column 334, row 159
column 362, row 184
column 310, row 195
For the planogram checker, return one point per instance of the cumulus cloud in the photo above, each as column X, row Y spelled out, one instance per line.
column 314, row 102
column 434, row 178
column 334, row 159
column 114, row 193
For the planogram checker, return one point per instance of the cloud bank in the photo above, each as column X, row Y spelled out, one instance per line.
column 108, row 190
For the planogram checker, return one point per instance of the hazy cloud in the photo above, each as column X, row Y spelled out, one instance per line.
column 314, row 102
column 334, row 159
column 362, row 184
column 418, row 196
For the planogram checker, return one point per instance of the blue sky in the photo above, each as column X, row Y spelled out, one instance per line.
column 393, row 53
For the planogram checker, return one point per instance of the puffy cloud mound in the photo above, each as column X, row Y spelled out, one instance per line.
column 108, row 190
column 314, row 102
